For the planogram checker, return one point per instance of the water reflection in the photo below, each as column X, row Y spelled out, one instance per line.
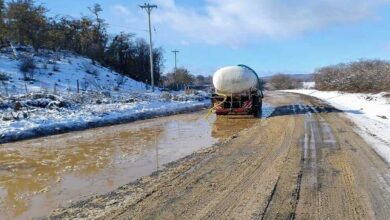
column 226, row 126
column 32, row 167
column 38, row 175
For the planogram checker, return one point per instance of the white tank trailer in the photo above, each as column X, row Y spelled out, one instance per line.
column 237, row 91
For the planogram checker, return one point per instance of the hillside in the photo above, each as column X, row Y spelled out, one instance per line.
column 59, row 72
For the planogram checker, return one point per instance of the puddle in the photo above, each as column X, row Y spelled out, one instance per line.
column 267, row 110
column 37, row 176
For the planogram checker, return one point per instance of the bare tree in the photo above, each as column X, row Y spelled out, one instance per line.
column 179, row 79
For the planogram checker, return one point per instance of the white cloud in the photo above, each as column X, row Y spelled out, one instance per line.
column 236, row 22
column 122, row 17
column 121, row 10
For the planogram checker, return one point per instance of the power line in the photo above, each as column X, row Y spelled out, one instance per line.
column 148, row 8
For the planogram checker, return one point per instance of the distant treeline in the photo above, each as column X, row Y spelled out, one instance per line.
column 24, row 22
column 282, row 81
column 181, row 78
column 359, row 76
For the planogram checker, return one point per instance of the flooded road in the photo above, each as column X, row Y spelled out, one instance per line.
column 37, row 176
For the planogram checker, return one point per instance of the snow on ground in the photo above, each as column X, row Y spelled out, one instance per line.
column 46, row 121
column 50, row 103
column 370, row 112
column 308, row 85
column 59, row 72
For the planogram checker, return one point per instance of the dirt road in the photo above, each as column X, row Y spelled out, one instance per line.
column 305, row 161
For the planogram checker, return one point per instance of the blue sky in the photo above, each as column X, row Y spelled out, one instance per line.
column 295, row 36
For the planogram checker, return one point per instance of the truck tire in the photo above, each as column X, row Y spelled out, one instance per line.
column 255, row 106
column 260, row 108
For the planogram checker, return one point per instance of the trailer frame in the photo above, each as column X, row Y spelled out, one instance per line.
column 246, row 103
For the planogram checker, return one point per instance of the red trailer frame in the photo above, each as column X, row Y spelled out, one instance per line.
column 248, row 103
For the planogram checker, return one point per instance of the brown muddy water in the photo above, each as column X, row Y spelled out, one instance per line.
column 39, row 175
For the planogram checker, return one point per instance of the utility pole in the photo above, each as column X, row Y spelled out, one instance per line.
column 148, row 8
column 175, row 52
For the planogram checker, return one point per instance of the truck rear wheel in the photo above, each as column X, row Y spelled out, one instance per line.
column 260, row 108
column 255, row 106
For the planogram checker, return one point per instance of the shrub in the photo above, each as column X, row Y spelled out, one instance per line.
column 166, row 96
column 359, row 76
column 283, row 81
column 27, row 66
column 4, row 77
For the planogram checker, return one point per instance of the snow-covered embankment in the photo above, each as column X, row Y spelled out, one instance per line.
column 54, row 121
column 66, row 92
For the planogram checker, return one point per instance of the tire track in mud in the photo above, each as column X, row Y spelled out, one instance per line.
column 270, row 200
column 337, row 181
column 328, row 187
column 309, row 202
column 284, row 199
column 235, row 198
column 287, row 190
column 325, row 189
column 371, row 174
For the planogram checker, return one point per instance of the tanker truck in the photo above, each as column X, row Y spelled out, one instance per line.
column 238, row 90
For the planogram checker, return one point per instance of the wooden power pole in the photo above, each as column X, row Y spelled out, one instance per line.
column 175, row 52
column 148, row 8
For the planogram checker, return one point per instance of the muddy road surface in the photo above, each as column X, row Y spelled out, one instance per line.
column 305, row 161
column 39, row 175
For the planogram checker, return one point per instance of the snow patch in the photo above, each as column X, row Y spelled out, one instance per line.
column 308, row 85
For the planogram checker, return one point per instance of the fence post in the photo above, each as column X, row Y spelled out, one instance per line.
column 68, row 86
column 78, row 86
column 25, row 86
column 5, row 88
